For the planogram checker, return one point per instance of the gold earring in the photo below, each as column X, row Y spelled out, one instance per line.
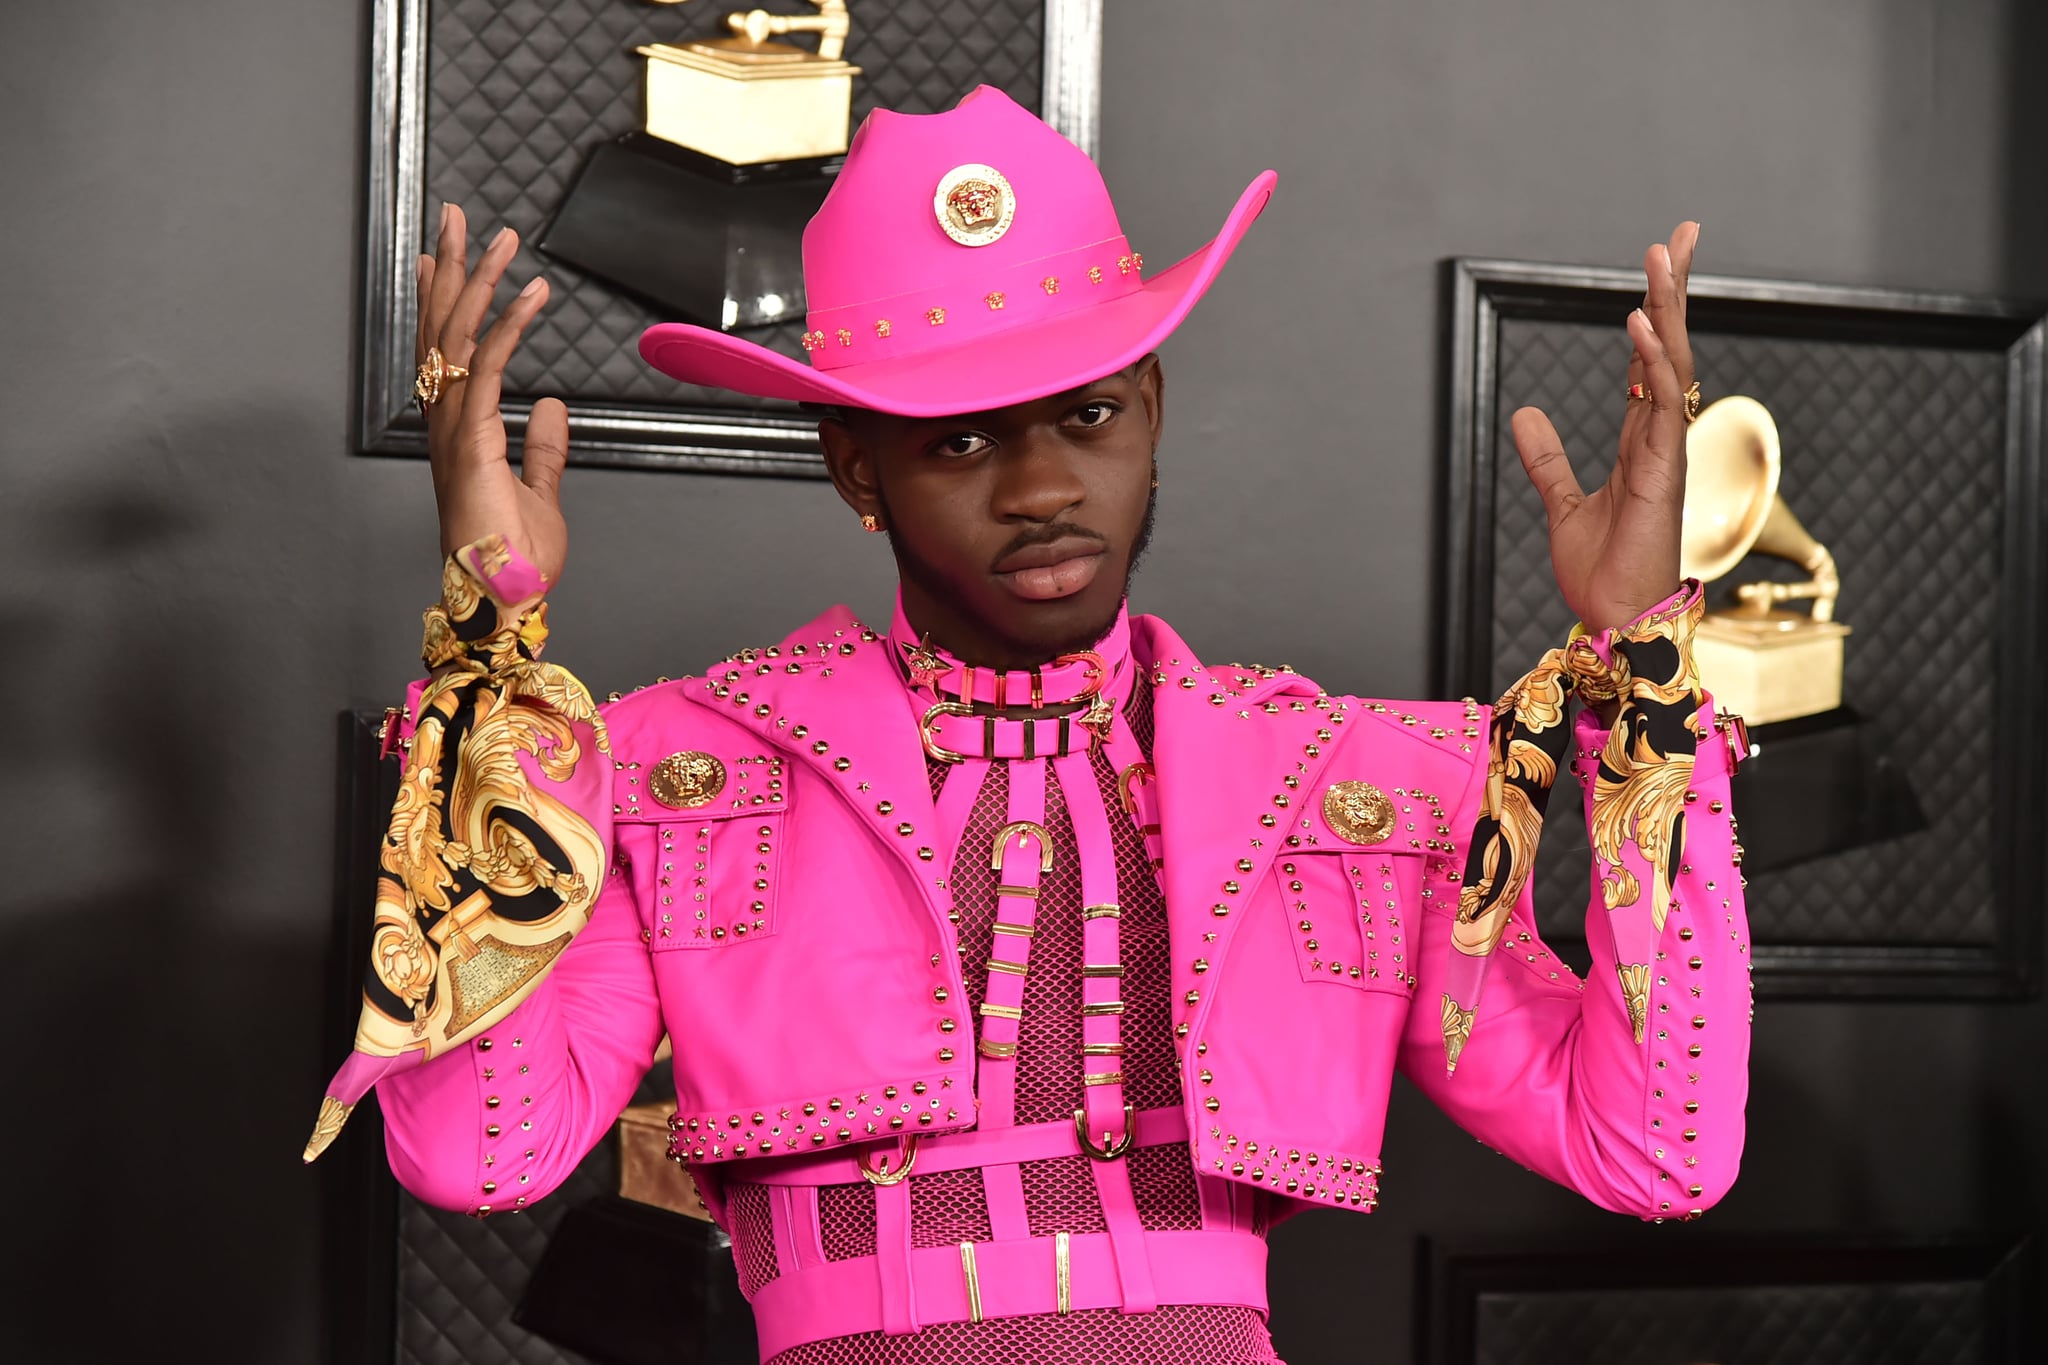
column 870, row 522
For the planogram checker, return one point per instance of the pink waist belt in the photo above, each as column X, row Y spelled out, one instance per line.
column 902, row 1292
column 903, row 1288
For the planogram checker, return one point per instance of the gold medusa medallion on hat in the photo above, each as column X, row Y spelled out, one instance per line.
column 974, row 204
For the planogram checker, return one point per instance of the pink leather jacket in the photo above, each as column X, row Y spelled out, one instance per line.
column 808, row 978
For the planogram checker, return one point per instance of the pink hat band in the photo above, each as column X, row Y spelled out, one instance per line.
column 962, row 262
column 1017, row 295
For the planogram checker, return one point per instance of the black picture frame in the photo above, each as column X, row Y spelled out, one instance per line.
column 1556, row 1295
column 776, row 441
column 1482, row 294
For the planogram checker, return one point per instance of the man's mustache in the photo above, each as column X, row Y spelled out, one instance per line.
column 1046, row 535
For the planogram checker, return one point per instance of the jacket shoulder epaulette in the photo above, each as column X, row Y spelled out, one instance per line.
column 1458, row 725
column 684, row 717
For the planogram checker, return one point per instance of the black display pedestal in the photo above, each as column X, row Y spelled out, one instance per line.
column 1820, row 785
column 626, row 1283
column 712, row 243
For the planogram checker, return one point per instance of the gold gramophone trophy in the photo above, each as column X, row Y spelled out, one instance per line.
column 702, row 211
column 1760, row 657
column 747, row 99
column 1826, row 781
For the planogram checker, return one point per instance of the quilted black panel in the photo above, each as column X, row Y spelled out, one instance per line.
column 1943, row 1323
column 459, row 1277
column 519, row 90
column 1893, row 459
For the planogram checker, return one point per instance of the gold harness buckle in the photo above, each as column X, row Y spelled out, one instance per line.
column 1110, row 1149
column 1735, row 733
column 882, row 1175
column 931, row 743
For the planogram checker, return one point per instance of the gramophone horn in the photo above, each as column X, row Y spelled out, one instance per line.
column 1731, row 484
column 1732, row 507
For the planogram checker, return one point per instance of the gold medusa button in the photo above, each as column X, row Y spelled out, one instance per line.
column 1358, row 812
column 684, row 781
column 974, row 204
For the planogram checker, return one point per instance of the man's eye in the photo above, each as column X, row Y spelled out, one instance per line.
column 1096, row 414
column 962, row 444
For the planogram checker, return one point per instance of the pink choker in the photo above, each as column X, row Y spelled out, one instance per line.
column 976, row 711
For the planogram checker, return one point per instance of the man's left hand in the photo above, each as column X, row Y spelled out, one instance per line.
column 1615, row 550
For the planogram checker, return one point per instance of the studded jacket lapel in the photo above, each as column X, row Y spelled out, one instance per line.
column 830, row 698
column 1227, row 740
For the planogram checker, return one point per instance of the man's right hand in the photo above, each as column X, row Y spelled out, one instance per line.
column 474, row 485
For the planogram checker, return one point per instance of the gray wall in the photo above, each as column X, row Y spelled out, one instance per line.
column 198, row 574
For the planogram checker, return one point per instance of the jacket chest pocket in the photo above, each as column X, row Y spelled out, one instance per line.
column 1347, row 915
column 706, row 881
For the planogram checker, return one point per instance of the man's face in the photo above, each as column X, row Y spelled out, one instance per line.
column 1015, row 531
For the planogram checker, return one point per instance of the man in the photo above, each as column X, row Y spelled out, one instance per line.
column 1022, row 969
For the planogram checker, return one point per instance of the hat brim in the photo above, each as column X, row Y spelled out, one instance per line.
column 995, row 371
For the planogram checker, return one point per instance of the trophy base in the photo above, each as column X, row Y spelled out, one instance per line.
column 709, row 242
column 646, row 1175
column 794, row 104
column 1770, row 666
column 634, row 1285
column 1820, row 785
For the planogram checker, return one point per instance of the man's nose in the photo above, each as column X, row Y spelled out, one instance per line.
column 1037, row 480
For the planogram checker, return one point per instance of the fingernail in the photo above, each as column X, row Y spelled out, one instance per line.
column 503, row 233
column 533, row 286
column 445, row 207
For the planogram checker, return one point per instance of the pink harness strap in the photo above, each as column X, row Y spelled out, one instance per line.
column 1023, row 850
column 1009, row 1279
column 963, row 1151
column 923, row 668
column 902, row 1287
column 888, row 1275
column 1022, row 853
column 1103, row 1112
column 989, row 737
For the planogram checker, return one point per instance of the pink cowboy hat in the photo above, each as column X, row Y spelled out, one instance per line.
column 963, row 262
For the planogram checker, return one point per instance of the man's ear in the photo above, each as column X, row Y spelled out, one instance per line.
column 1151, row 377
column 851, row 463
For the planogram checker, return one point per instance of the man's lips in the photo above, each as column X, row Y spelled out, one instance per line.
column 1060, row 568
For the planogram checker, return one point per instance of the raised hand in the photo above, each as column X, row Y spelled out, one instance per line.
column 1615, row 550
column 474, row 485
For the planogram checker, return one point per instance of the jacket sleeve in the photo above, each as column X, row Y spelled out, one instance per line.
column 1629, row 1086
column 509, row 1006
column 505, row 1119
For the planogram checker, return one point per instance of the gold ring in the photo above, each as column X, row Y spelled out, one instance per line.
column 1636, row 391
column 1692, row 402
column 434, row 373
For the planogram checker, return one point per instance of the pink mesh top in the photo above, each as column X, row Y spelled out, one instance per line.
column 1059, row 1194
